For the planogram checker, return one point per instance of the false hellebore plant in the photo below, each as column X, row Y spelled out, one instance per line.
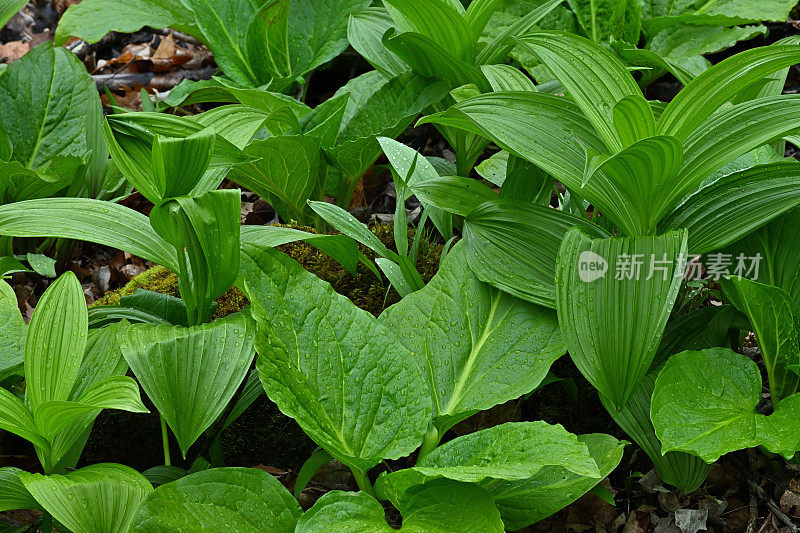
column 656, row 175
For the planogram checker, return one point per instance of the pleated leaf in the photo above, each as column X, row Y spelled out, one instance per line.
column 705, row 403
column 704, row 95
column 180, row 163
column 437, row 21
column 773, row 317
column 734, row 205
column 16, row 418
column 190, row 374
column 365, row 32
column 595, row 79
column 56, row 342
column 94, row 221
column 100, row 498
column 347, row 380
column 614, row 297
column 514, row 247
column 13, row 494
column 12, row 333
column 440, row 506
column 246, row 500
column 479, row 347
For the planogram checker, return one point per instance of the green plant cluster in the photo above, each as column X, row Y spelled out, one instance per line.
column 500, row 277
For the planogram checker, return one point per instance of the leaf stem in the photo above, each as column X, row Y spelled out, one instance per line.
column 363, row 481
column 431, row 442
column 165, row 441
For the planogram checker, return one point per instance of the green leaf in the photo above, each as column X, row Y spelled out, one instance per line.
column 345, row 378
column 13, row 494
column 246, row 500
column 614, row 297
column 505, row 239
column 705, row 404
column 437, row 21
column 9, row 8
column 662, row 13
column 180, row 163
column 341, row 248
column 346, row 223
column 734, row 205
column 99, row 498
column 595, row 79
column 365, row 32
column 309, row 469
column 53, row 355
column 603, row 20
column 772, row 315
column 709, row 91
column 266, row 45
column 45, row 96
column 95, row 221
column 479, row 347
column 93, row 19
column 42, row 265
column 16, row 418
column 235, row 123
column 500, row 43
column 12, row 333
column 440, row 506
column 287, row 172
column 177, row 366
column 547, row 130
column 460, row 196
column 682, row 470
column 205, row 232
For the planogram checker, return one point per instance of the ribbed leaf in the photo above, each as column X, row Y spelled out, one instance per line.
column 595, row 79
column 95, row 221
column 100, row 498
column 628, row 186
column 180, row 163
column 12, row 333
column 346, row 223
column 246, row 500
column 341, row 248
column 16, row 418
column 507, row 78
column 682, row 470
column 437, row 21
column 460, row 196
column 735, row 205
column 8, row 8
column 500, row 45
column 547, row 130
column 53, row 355
column 365, row 31
column 705, row 402
column 266, row 46
column 287, row 172
column 13, row 494
column 614, row 297
column 705, row 94
column 191, row 374
column 346, row 379
column 441, row 506
column 505, row 239
column 773, row 317
column 479, row 347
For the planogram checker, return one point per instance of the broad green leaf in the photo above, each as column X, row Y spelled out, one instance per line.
column 177, row 367
column 707, row 327
column 682, row 470
column 13, row 494
column 341, row 248
column 53, row 355
column 436, row 20
column 235, row 123
column 648, row 58
column 93, row 19
column 603, row 20
column 773, row 317
column 345, row 378
column 614, row 297
column 525, row 182
column 705, row 94
column 773, row 245
column 9, row 8
column 441, row 506
column 628, row 186
column 99, row 498
column 662, row 13
column 479, row 347
column 505, row 239
column 42, row 265
column 179, row 164
column 595, row 79
column 95, row 221
column 317, row 460
column 734, row 205
column 705, row 402
column 507, row 78
column 547, row 130
column 204, row 232
column 500, row 41
column 346, row 223
column 287, row 171
column 16, row 418
column 247, row 500
column 460, row 196
column 365, row 32
column 266, row 45
column 12, row 333
column 45, row 99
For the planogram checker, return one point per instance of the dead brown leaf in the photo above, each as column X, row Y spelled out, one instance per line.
column 13, row 50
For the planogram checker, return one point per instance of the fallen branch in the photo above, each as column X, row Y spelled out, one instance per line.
column 160, row 82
